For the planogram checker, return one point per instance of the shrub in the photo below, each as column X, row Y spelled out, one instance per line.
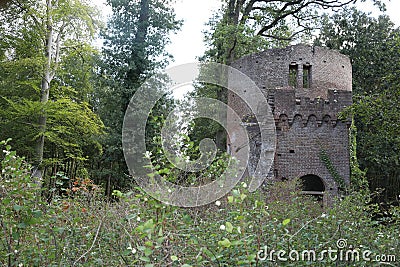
column 83, row 229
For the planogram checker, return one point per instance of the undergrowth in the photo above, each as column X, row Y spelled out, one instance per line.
column 82, row 228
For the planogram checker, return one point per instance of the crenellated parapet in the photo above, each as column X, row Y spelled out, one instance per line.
column 288, row 108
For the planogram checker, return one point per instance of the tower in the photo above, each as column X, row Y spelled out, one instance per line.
column 306, row 88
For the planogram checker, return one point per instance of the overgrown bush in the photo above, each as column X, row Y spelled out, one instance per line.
column 83, row 229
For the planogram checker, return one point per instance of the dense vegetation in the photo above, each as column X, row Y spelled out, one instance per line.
column 83, row 229
column 66, row 195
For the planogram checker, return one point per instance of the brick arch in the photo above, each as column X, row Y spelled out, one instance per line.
column 297, row 120
column 313, row 185
column 326, row 119
column 312, row 182
column 283, row 118
column 312, row 120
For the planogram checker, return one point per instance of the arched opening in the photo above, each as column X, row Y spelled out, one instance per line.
column 313, row 186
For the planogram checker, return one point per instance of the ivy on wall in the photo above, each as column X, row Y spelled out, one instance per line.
column 324, row 157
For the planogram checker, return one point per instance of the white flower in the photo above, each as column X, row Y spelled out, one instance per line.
column 244, row 185
column 138, row 219
column 324, row 215
column 187, row 159
column 169, row 191
column 133, row 250
column 222, row 227
column 148, row 154
column 218, row 203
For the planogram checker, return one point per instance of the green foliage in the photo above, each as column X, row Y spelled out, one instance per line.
column 358, row 176
column 373, row 45
column 379, row 140
column 82, row 229
column 224, row 39
column 133, row 50
column 188, row 150
column 24, row 218
column 71, row 128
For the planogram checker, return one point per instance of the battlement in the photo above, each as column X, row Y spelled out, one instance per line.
column 286, row 106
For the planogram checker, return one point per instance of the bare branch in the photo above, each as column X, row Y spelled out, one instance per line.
column 288, row 9
column 247, row 10
column 91, row 247
column 58, row 45
column 282, row 15
column 26, row 9
column 280, row 38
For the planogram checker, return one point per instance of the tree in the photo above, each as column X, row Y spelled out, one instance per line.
column 277, row 21
column 134, row 48
column 46, row 80
column 373, row 45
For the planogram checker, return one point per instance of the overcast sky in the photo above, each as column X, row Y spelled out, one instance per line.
column 188, row 44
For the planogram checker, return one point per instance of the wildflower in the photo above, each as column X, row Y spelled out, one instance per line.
column 222, row 227
column 148, row 154
column 218, row 203
column 138, row 219
column 244, row 185
column 133, row 250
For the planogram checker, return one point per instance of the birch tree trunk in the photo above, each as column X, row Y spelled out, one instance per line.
column 45, row 90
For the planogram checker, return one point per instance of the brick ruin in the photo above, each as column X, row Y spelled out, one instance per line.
column 306, row 88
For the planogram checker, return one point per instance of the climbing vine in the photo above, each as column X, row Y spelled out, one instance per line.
column 358, row 178
column 324, row 157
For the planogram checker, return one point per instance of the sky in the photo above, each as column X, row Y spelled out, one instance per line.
column 188, row 44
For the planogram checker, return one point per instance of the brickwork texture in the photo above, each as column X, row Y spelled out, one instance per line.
column 306, row 87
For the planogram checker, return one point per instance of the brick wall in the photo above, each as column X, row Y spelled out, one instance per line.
column 306, row 119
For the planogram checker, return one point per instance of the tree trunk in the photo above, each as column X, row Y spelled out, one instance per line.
column 44, row 92
column 231, row 17
column 138, row 54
